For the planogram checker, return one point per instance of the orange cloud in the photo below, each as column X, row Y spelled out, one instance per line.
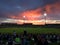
column 36, row 14
column 32, row 14
column 29, row 15
column 53, row 8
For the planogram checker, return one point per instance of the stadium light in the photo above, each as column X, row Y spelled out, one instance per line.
column 45, row 14
column 24, row 18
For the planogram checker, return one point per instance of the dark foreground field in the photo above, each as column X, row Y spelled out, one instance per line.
column 30, row 30
column 33, row 30
column 41, row 30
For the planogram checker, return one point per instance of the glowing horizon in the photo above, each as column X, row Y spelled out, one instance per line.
column 34, row 22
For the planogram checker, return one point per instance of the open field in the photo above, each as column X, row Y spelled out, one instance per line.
column 30, row 30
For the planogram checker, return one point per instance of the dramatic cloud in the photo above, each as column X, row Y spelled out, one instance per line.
column 29, row 9
column 28, row 15
column 53, row 11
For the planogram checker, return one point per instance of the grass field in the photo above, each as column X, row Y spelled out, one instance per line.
column 30, row 30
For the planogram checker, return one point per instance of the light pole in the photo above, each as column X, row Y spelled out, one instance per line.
column 24, row 18
column 45, row 14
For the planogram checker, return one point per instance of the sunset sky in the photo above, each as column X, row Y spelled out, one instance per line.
column 15, row 10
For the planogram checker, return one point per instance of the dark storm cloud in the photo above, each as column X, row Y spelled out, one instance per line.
column 16, row 6
column 13, row 7
column 51, row 1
